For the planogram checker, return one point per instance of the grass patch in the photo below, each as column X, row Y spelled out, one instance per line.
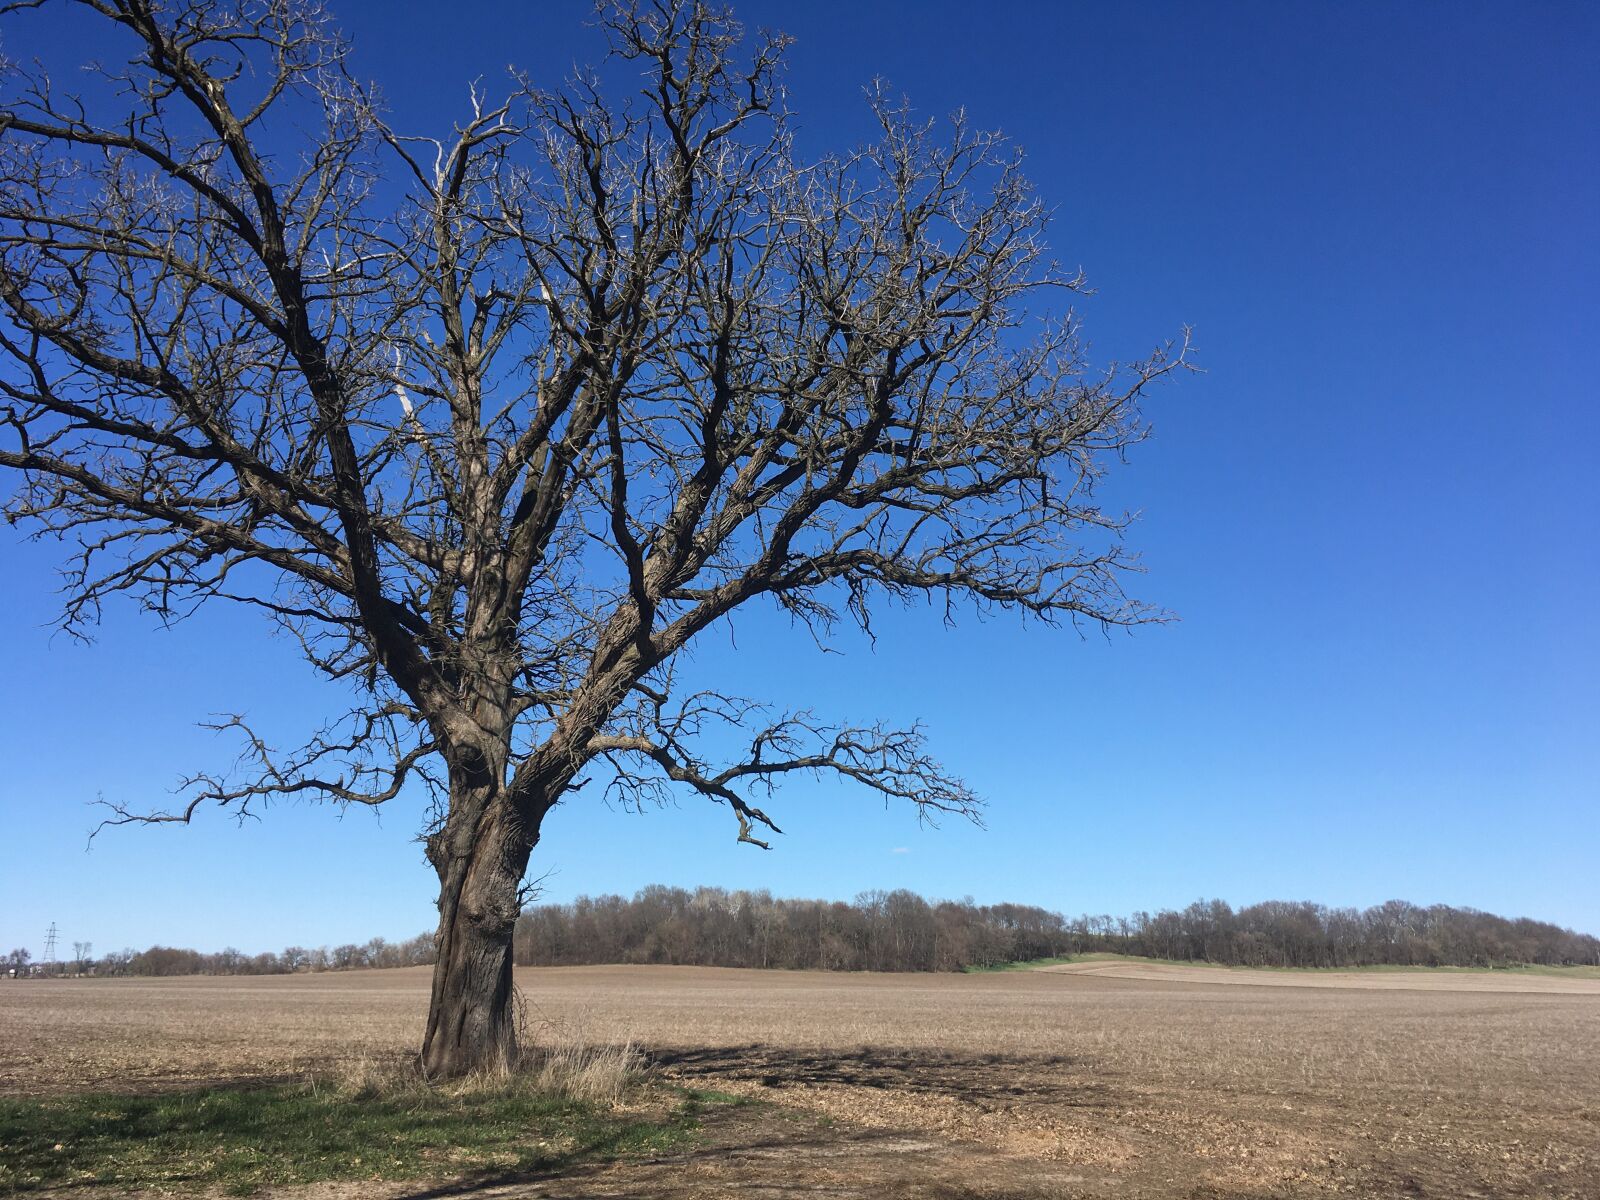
column 1025, row 964
column 242, row 1139
column 696, row 1100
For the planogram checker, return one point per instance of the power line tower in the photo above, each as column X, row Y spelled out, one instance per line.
column 49, row 960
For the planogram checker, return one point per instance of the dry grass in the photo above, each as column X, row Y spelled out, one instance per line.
column 595, row 1073
column 558, row 1060
column 570, row 1069
column 561, row 1059
column 1164, row 1086
column 369, row 1074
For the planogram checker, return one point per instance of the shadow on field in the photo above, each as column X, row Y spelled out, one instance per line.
column 743, row 1149
column 982, row 1080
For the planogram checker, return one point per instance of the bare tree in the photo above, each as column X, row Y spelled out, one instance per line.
column 496, row 425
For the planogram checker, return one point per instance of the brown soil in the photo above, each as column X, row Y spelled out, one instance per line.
column 1144, row 1081
column 1579, row 981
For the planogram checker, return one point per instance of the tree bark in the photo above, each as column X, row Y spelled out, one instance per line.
column 480, row 855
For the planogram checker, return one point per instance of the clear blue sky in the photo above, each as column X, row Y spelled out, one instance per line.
column 1375, row 513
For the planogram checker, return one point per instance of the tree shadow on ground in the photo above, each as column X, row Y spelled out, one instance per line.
column 985, row 1080
column 778, row 1152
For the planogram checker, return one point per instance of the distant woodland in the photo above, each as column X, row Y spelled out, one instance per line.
column 900, row 931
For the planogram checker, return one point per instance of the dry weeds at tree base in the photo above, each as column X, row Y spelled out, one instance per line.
column 566, row 1067
column 1129, row 1087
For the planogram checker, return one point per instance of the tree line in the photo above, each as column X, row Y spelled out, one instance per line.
column 175, row 960
column 901, row 931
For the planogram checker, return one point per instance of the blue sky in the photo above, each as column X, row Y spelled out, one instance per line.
column 1374, row 513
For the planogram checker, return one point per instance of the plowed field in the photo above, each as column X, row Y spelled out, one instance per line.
column 1120, row 1079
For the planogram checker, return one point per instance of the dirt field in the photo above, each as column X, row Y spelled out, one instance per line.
column 1123, row 1080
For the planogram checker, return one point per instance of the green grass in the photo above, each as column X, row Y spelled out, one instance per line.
column 1028, row 964
column 697, row 1100
column 240, row 1139
column 1582, row 972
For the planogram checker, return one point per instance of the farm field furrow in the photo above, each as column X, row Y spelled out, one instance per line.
column 1141, row 1081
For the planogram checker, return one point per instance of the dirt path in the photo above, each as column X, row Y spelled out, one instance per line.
column 771, row 1152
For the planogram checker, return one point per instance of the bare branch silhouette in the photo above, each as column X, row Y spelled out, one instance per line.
column 494, row 425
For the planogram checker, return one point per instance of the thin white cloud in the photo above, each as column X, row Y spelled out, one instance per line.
column 901, row 850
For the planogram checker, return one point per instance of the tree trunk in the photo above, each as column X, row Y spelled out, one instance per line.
column 480, row 856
